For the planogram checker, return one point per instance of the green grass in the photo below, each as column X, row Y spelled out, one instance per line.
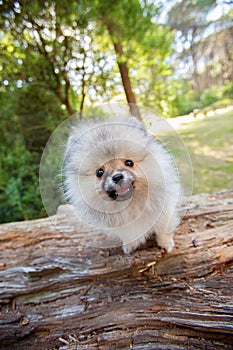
column 210, row 144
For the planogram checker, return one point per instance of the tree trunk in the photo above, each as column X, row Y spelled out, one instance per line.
column 59, row 288
column 124, row 72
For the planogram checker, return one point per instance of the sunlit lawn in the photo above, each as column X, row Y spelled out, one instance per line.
column 210, row 144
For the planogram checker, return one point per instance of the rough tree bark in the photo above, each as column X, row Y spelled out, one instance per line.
column 59, row 288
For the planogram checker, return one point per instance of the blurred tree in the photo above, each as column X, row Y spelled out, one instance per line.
column 189, row 20
column 203, row 41
column 19, row 190
column 123, row 30
column 142, row 48
column 56, row 41
column 153, row 72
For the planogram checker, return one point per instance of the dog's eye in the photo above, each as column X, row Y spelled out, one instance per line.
column 129, row 162
column 99, row 172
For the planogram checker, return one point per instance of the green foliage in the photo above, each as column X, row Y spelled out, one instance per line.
column 228, row 90
column 187, row 100
column 19, row 191
column 210, row 96
column 23, row 137
column 19, row 195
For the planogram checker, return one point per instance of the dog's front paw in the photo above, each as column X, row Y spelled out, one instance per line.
column 128, row 248
column 166, row 242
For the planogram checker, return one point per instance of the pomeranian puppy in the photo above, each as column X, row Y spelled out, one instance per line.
column 122, row 182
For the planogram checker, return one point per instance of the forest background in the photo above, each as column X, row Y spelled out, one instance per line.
column 61, row 57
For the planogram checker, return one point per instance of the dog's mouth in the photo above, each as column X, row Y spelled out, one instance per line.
column 120, row 192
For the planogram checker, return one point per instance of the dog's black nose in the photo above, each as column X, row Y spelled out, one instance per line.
column 117, row 177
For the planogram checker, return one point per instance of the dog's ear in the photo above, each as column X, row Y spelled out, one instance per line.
column 73, row 139
column 135, row 121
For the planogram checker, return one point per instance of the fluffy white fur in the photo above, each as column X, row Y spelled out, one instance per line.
column 152, row 208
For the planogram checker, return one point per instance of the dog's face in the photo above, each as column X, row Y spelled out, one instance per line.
column 111, row 170
column 116, row 178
